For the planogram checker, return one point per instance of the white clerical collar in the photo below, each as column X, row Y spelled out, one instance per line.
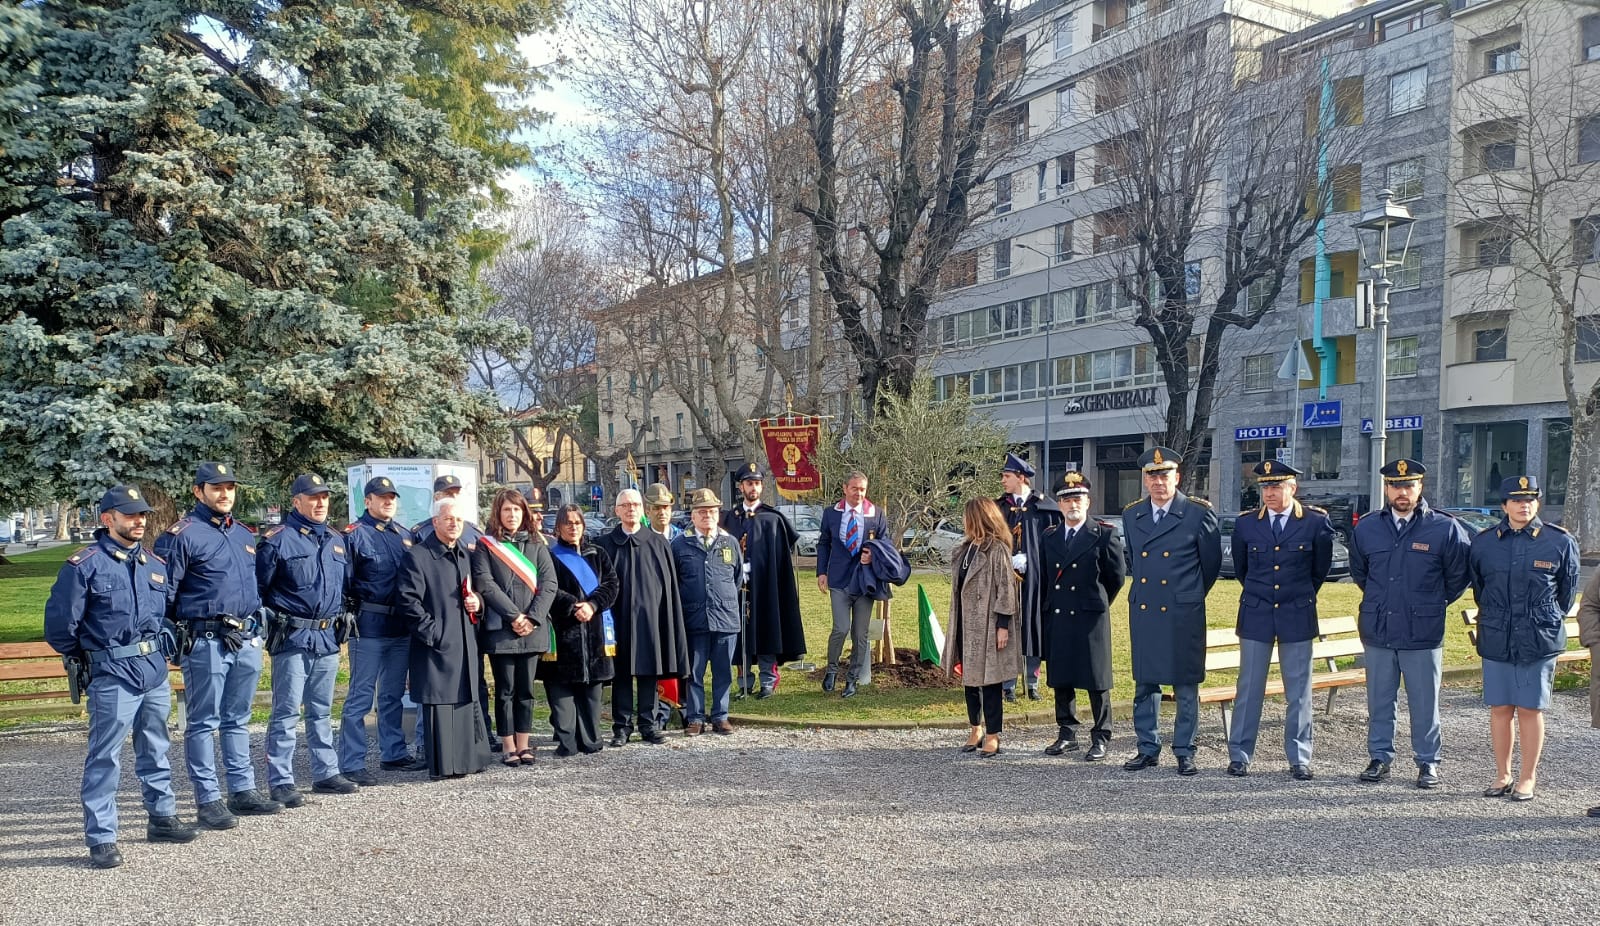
column 632, row 532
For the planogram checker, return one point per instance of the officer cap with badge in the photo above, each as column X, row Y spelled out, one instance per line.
column 749, row 470
column 1271, row 471
column 704, row 498
column 309, row 484
column 212, row 474
column 1159, row 460
column 1073, row 484
column 380, row 485
column 446, row 483
column 124, row 499
column 535, row 498
column 1016, row 464
column 1520, row 488
column 658, row 496
column 1400, row 471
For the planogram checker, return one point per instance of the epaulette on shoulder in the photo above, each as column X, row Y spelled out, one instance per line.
column 1315, row 508
column 1105, row 524
column 351, row 527
column 152, row 554
column 273, row 532
column 249, row 527
column 1247, row 512
column 1443, row 512
column 180, row 525
column 1199, row 501
column 1555, row 527
column 1132, row 503
column 83, row 555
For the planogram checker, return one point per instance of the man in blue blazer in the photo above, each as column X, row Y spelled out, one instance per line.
column 841, row 550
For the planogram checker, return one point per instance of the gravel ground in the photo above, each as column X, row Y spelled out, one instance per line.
column 771, row 826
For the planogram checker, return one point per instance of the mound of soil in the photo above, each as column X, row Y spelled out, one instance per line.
column 907, row 672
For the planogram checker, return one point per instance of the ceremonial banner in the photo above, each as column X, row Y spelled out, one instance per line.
column 790, row 442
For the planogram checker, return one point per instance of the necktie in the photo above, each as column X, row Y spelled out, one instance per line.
column 705, row 541
column 1155, row 516
column 1277, row 525
column 1071, row 533
column 1400, row 525
column 852, row 534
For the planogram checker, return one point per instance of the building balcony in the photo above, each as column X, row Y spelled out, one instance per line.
column 1490, row 97
column 1489, row 382
column 653, row 445
column 677, row 443
column 1480, row 289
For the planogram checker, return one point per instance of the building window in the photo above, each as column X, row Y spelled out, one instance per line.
column 633, row 384
column 1402, row 357
column 1002, row 193
column 1590, row 51
column 1404, row 179
column 1408, row 90
column 1586, row 240
column 1500, row 154
column 1589, row 140
column 1063, row 37
column 1063, row 242
column 1411, row 22
column 1557, row 455
column 1193, row 280
column 1259, row 372
column 1255, row 296
column 1038, row 180
column 1343, row 274
column 1488, row 344
column 1002, row 258
column 1405, row 273
column 1588, row 349
column 611, row 432
column 1066, row 171
column 1488, row 246
column 960, row 269
column 1345, row 189
column 1326, row 446
column 1502, row 59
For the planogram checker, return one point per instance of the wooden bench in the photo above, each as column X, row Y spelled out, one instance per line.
column 30, row 662
column 1469, row 616
column 1337, row 638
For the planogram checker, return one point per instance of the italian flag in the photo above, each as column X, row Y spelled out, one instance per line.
column 930, row 634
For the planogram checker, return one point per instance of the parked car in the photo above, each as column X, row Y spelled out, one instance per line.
column 1476, row 519
column 1343, row 510
column 809, row 527
column 1341, row 553
column 936, row 547
column 593, row 525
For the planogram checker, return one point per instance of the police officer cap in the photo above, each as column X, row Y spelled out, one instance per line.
column 704, row 498
column 1016, row 464
column 749, row 470
column 380, row 485
column 657, row 495
column 309, row 484
column 211, row 474
column 446, row 482
column 1521, row 487
column 535, row 497
column 1273, row 471
column 1403, row 471
column 126, row 499
column 1073, row 484
column 1159, row 460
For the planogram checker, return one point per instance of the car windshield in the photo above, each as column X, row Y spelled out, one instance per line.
column 805, row 522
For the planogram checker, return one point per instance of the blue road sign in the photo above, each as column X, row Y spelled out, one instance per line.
column 1321, row 415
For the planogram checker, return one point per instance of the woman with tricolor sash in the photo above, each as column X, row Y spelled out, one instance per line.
column 514, row 573
column 585, row 636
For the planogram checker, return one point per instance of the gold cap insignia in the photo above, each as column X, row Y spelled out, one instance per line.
column 1074, row 478
column 1400, row 468
column 133, row 493
column 1523, row 482
column 1157, row 457
column 1266, row 467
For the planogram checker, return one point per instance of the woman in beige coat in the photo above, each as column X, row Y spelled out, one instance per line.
column 983, row 599
column 1589, row 635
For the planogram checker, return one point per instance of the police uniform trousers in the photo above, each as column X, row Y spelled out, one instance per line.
column 712, row 651
column 1147, row 717
column 575, row 716
column 1420, row 670
column 852, row 616
column 115, row 710
column 1030, row 675
column 1099, row 708
column 1294, row 662
column 300, row 679
column 378, row 667
column 219, row 689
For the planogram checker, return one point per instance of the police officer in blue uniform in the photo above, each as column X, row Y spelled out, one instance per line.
column 448, row 486
column 211, row 560
column 1524, row 578
column 379, row 654
column 302, row 570
column 106, row 609
column 1174, row 557
column 1411, row 561
column 1282, row 552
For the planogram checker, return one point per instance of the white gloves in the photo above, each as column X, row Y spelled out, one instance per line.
column 746, row 579
column 1019, row 562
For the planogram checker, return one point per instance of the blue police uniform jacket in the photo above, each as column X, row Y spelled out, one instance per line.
column 378, row 551
column 1407, row 580
column 302, row 569
column 708, row 581
column 1171, row 566
column 212, row 560
column 1281, row 574
column 106, row 596
column 1524, row 582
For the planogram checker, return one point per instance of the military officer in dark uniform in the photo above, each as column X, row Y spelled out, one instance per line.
column 1411, row 561
column 380, row 653
column 302, row 570
column 1029, row 514
column 1174, row 557
column 106, row 610
column 1083, row 567
column 211, row 561
column 1282, row 552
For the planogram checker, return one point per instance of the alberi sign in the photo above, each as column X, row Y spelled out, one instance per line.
column 1397, row 423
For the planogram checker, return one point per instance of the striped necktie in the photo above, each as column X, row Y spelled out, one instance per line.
column 852, row 534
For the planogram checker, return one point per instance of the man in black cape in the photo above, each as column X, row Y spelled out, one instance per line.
column 774, row 632
column 1029, row 514
column 652, row 642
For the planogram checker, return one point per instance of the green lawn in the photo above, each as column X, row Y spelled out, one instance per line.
column 24, row 586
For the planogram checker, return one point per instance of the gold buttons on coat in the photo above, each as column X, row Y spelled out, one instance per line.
column 1144, row 553
column 1163, row 581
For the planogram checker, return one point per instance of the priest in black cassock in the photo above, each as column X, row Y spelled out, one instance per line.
column 652, row 641
column 774, row 632
column 1029, row 514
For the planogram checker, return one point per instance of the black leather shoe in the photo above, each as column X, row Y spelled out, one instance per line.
column 1376, row 770
column 765, row 693
column 494, row 743
column 169, row 829
column 1186, row 766
column 1063, row 743
column 1593, row 812
column 1141, row 761
column 1520, row 796
column 105, row 855
column 1428, row 775
column 252, row 803
column 334, row 784
column 619, row 740
column 1239, row 769
column 361, row 777
column 1011, row 696
column 214, row 815
column 829, row 679
column 653, row 737
column 849, row 688
column 1498, row 790
column 408, row 764
column 287, row 795
column 1097, row 751
column 1301, row 772
column 1033, row 692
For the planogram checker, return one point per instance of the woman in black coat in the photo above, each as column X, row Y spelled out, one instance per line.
column 585, row 636
column 515, row 627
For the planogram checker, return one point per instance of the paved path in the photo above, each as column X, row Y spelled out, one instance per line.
column 775, row 826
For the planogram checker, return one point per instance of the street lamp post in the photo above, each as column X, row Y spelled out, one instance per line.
column 1049, row 316
column 1380, row 224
